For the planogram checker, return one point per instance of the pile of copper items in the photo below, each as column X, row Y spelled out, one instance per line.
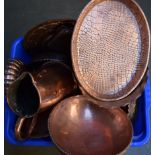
column 84, row 79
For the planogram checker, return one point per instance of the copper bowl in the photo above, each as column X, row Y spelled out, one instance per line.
column 40, row 88
column 79, row 127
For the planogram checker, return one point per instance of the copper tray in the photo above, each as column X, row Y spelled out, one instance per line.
column 110, row 48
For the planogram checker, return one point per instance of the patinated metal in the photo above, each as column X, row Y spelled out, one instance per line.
column 37, row 90
column 110, row 48
column 79, row 127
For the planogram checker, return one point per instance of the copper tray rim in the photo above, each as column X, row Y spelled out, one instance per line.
column 78, row 75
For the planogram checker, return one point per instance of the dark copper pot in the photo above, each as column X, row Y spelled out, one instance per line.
column 50, row 39
column 34, row 127
column 79, row 127
column 40, row 88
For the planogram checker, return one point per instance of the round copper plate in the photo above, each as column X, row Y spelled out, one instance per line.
column 80, row 127
column 110, row 48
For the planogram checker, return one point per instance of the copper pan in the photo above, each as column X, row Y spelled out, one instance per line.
column 79, row 127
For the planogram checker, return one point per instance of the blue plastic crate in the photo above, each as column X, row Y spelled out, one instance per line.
column 141, row 123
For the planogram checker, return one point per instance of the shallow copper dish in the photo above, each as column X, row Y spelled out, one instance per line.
column 37, row 90
column 79, row 127
column 110, row 48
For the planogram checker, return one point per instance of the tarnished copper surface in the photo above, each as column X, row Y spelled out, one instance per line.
column 44, row 85
column 50, row 39
column 34, row 127
column 12, row 71
column 79, row 127
column 110, row 48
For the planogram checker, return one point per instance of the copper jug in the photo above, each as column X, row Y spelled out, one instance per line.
column 39, row 88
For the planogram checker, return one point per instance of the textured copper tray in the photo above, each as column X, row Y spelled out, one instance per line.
column 110, row 48
column 125, row 101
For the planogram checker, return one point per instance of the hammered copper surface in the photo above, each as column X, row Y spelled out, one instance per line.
column 110, row 48
column 125, row 101
column 79, row 127
column 44, row 85
column 50, row 39
column 12, row 71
